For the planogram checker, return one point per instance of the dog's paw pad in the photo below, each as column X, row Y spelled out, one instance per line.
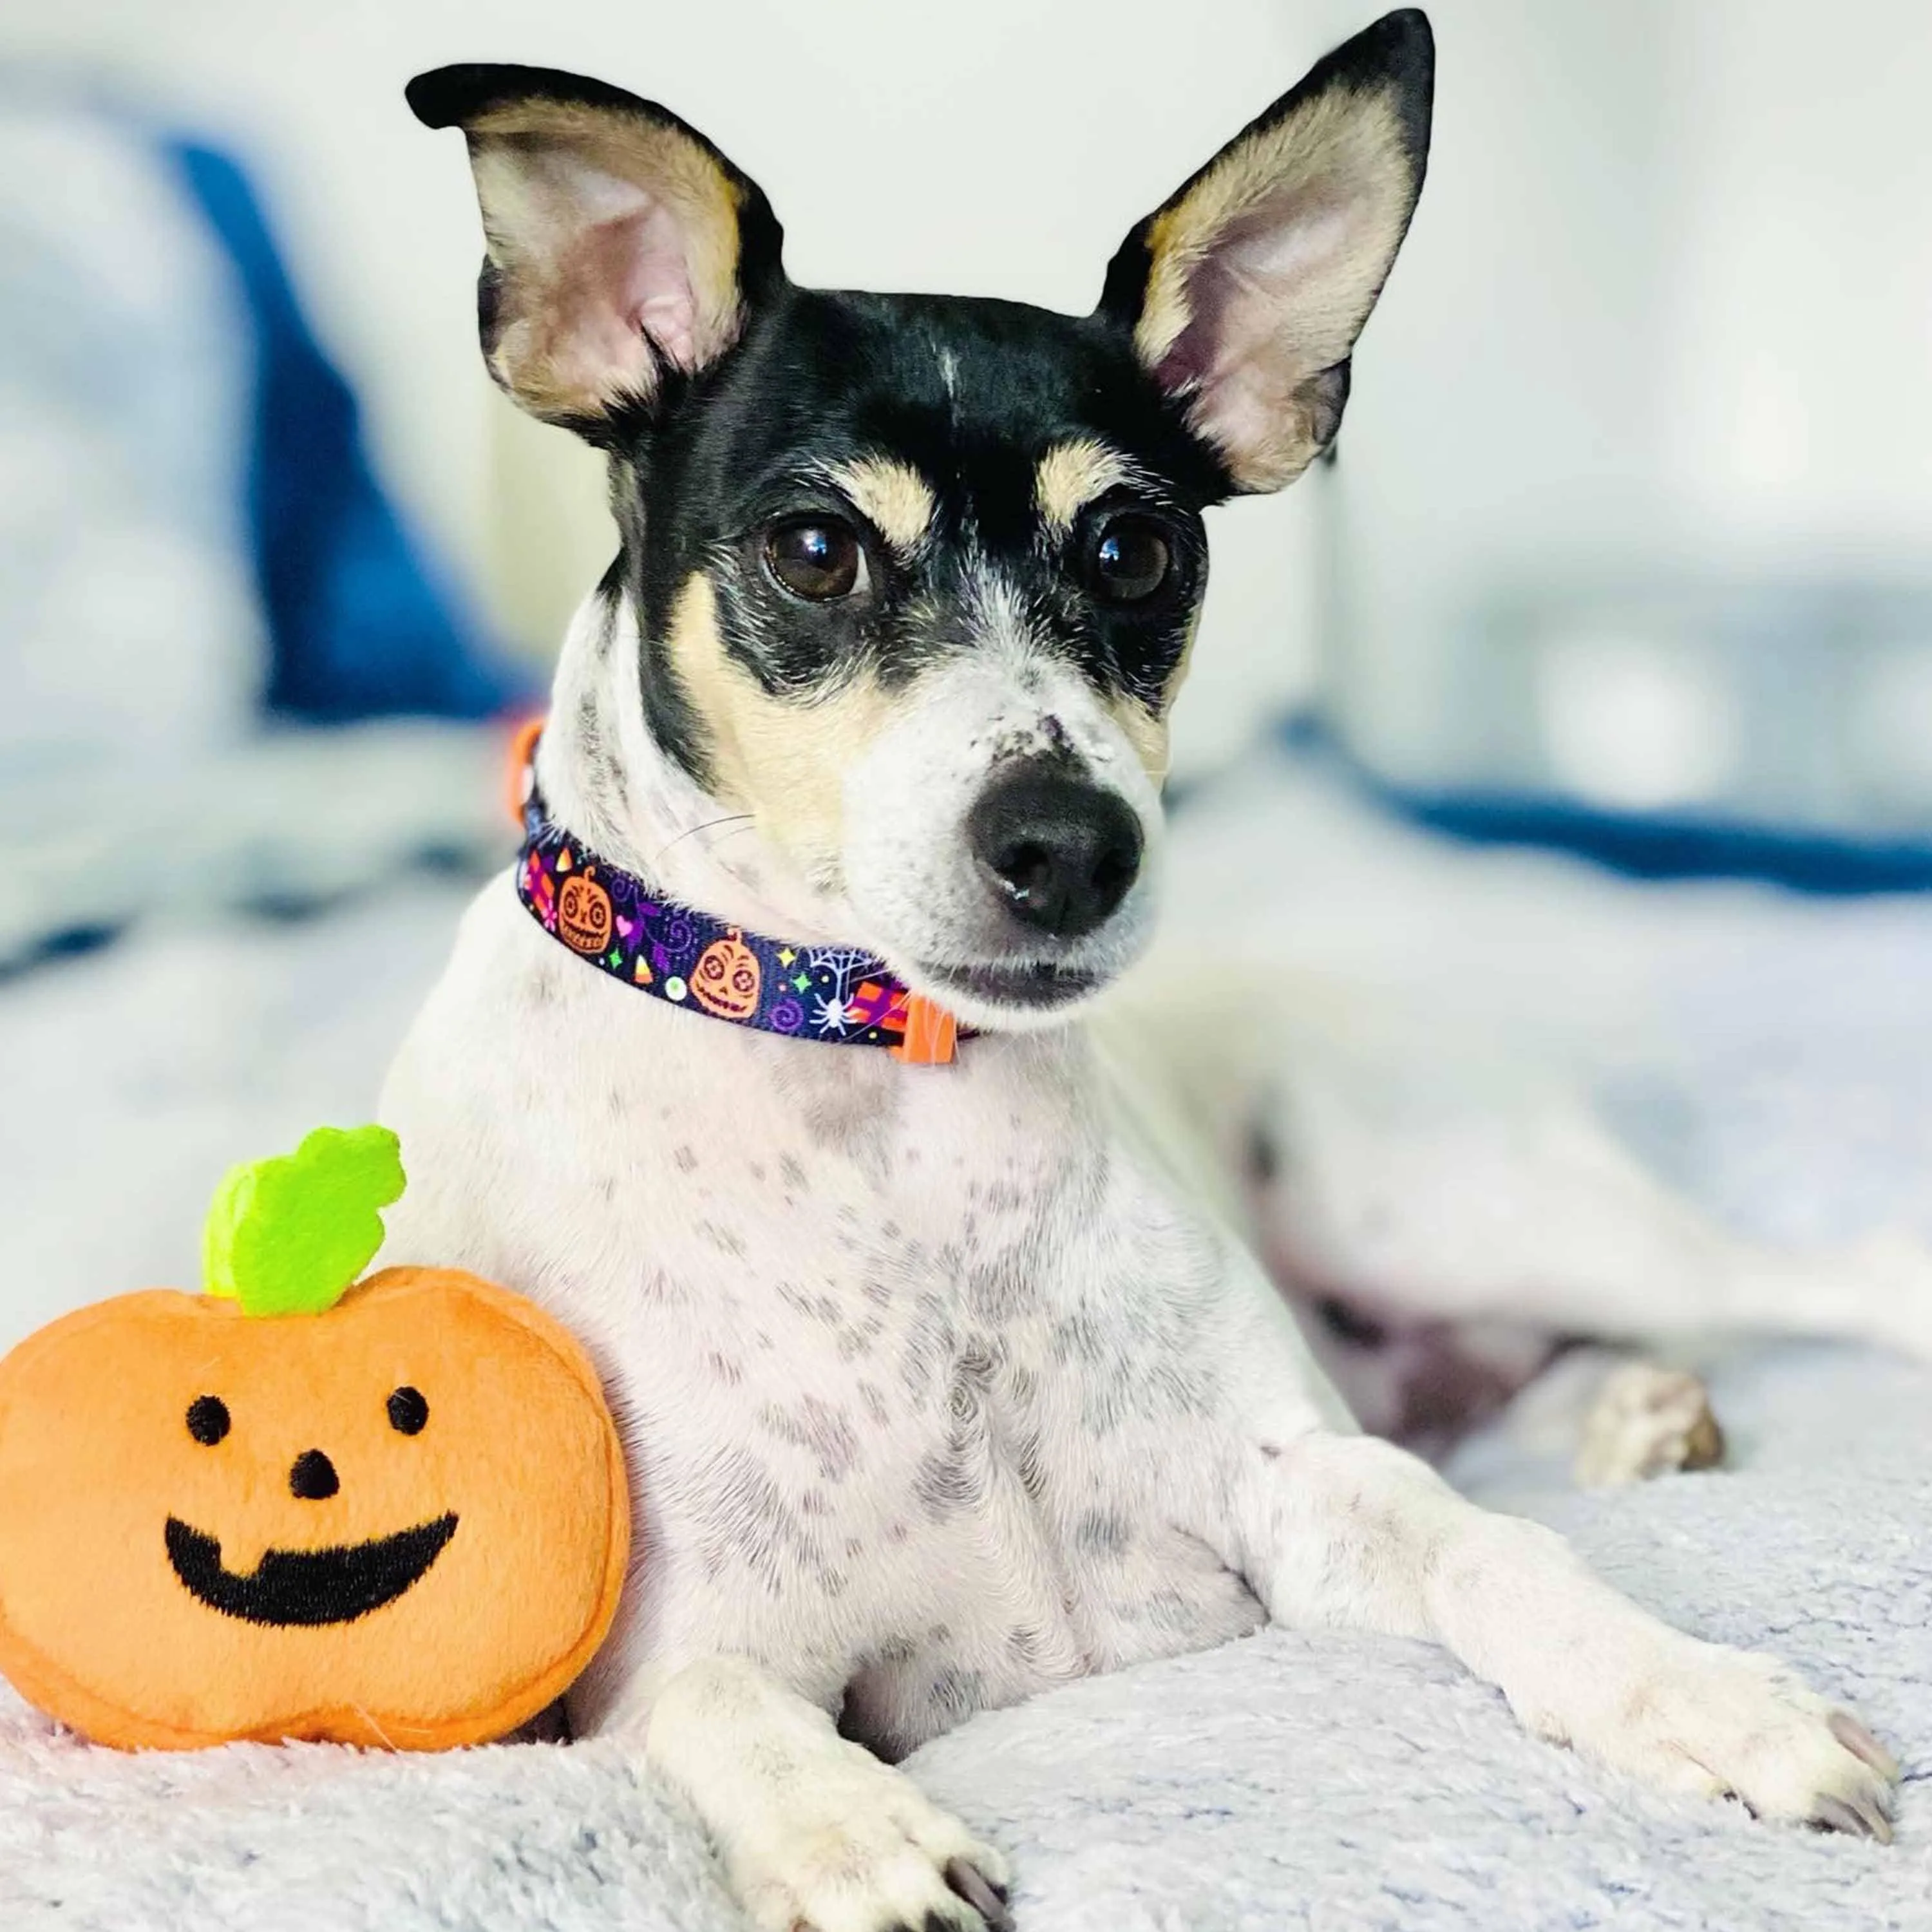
column 1648, row 1420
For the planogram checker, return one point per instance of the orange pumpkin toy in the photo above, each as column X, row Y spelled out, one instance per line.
column 395, row 1516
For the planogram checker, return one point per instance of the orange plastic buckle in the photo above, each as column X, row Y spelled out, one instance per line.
column 523, row 745
column 931, row 1034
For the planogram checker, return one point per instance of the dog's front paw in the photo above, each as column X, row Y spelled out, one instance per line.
column 860, row 1850
column 1722, row 1723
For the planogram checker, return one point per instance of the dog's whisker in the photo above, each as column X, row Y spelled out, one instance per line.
column 738, row 821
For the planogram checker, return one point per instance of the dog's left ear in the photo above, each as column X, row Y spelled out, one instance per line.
column 1245, row 291
column 621, row 244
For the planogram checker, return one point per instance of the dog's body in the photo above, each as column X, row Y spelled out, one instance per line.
column 906, row 1357
column 942, row 1384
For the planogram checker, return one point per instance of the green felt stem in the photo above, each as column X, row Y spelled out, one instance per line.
column 292, row 1234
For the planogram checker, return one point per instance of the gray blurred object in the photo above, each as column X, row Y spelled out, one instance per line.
column 1805, row 706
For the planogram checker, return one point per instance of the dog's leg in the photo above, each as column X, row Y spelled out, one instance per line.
column 1524, row 1208
column 817, row 1835
column 1350, row 1532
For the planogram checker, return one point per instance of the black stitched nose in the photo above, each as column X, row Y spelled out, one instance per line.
column 314, row 1477
column 1060, row 852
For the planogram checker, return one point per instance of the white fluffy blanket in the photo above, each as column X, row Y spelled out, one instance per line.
column 1331, row 1783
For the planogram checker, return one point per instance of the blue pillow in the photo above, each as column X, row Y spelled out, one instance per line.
column 359, row 627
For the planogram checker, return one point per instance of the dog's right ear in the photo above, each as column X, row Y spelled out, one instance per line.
column 1244, row 292
column 620, row 243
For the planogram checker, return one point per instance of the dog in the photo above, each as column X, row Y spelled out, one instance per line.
column 944, row 1373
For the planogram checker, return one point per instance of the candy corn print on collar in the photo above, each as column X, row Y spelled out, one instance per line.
column 837, row 995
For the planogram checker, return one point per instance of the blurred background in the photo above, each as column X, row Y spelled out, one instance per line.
column 1623, row 576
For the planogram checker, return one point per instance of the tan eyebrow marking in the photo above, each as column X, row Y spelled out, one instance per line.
column 1071, row 475
column 1145, row 723
column 893, row 495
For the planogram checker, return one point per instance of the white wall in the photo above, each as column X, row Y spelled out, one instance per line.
column 1666, row 310
column 1799, row 407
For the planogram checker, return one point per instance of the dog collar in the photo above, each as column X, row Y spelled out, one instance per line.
column 616, row 921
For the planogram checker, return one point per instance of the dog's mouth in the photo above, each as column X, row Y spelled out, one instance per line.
column 1033, row 985
column 334, row 1585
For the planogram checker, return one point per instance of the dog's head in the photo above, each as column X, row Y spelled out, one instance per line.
column 915, row 578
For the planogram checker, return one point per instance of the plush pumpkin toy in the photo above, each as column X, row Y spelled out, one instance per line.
column 392, row 1513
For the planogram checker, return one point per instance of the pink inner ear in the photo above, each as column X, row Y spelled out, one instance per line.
column 1260, row 315
column 660, row 301
column 623, row 280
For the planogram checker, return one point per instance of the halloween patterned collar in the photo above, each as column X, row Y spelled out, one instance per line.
column 618, row 923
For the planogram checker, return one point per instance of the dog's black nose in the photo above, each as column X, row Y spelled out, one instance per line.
column 1060, row 852
column 314, row 1477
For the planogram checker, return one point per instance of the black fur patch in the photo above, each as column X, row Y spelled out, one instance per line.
column 971, row 395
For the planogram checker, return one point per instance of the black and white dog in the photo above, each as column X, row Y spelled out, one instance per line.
column 943, row 1384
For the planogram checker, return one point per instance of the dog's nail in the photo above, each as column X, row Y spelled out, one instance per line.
column 1877, row 1821
column 1835, row 1815
column 985, row 1898
column 1857, row 1816
column 1861, row 1743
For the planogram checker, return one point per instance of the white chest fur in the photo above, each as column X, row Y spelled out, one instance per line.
column 907, row 1359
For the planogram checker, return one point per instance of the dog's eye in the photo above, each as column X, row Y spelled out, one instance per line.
column 1131, row 560
column 817, row 557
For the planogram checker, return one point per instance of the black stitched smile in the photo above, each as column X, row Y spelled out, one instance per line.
column 308, row 1586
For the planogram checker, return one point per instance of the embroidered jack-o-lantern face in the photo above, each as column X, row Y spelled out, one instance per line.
column 727, row 978
column 402, row 1521
column 583, row 914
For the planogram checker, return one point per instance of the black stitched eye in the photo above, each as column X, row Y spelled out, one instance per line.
column 408, row 1411
column 208, row 1419
column 817, row 557
column 1131, row 559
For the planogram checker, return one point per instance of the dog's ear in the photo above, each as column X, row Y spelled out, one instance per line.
column 1245, row 291
column 620, row 244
